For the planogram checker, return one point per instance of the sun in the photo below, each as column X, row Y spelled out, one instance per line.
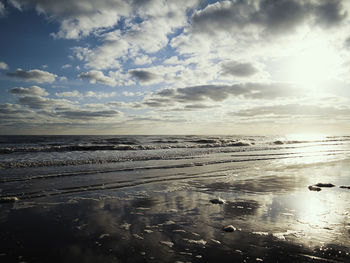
column 312, row 67
column 310, row 60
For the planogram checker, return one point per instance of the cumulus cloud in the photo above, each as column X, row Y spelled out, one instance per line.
column 206, row 55
column 2, row 9
column 222, row 92
column 82, row 17
column 238, row 69
column 38, row 102
column 66, row 66
column 120, row 104
column 88, row 94
column 78, row 18
column 31, row 91
column 34, row 75
column 266, row 15
column 88, row 114
column 95, row 76
column 294, row 110
column 330, row 13
column 137, row 40
column 9, row 109
column 128, row 94
column 3, row 66
column 100, row 95
column 69, row 94
column 143, row 76
column 347, row 43
column 142, row 60
column 193, row 107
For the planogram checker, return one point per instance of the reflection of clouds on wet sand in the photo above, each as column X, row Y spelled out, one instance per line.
column 273, row 214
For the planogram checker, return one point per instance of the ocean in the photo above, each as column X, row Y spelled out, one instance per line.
column 171, row 198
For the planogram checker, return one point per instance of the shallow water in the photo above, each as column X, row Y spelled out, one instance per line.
column 153, row 204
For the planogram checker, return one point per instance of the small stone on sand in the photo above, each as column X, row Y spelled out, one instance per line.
column 314, row 188
column 215, row 241
column 8, row 199
column 217, row 201
column 229, row 228
column 169, row 222
column 103, row 236
column 137, row 236
column 324, row 185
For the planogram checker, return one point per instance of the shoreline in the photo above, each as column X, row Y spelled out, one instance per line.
column 274, row 214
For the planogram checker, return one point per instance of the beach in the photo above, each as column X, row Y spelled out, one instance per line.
column 174, row 199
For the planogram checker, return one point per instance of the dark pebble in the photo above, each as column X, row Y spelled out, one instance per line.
column 324, row 185
column 314, row 188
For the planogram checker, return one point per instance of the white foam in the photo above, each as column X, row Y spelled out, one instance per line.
column 167, row 243
column 197, row 242
column 125, row 226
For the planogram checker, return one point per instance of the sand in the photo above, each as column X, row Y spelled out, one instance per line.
column 273, row 214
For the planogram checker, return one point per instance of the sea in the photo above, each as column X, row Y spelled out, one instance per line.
column 168, row 198
column 82, row 163
column 83, row 160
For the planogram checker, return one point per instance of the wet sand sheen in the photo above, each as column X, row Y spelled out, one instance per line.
column 205, row 206
column 273, row 214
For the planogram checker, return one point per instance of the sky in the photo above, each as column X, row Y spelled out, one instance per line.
column 174, row 67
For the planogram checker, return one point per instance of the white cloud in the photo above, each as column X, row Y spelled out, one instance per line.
column 2, row 9
column 174, row 60
column 39, row 102
column 95, row 76
column 295, row 110
column 88, row 94
column 142, row 60
column 80, row 17
column 66, row 66
column 238, row 69
column 34, row 75
column 84, row 114
column 100, row 95
column 203, row 96
column 3, row 66
column 144, row 76
column 128, row 94
column 266, row 16
column 31, row 91
column 69, row 94
column 160, row 18
column 229, row 55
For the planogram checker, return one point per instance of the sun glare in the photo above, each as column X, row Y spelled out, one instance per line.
column 312, row 67
column 305, row 137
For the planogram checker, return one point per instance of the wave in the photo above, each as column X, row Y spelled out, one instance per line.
column 37, row 144
column 123, row 182
column 247, row 158
column 236, row 157
column 328, row 140
column 120, row 147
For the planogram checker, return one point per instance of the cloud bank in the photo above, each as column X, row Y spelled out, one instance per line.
column 34, row 75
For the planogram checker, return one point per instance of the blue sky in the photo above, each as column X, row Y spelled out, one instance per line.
column 174, row 67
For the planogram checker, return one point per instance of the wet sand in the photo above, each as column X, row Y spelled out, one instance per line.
column 275, row 218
